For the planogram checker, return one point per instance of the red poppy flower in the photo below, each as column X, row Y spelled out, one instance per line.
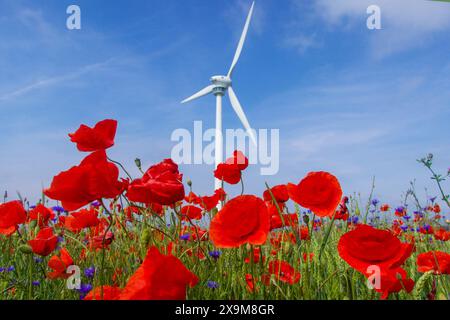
column 100, row 137
column 210, row 202
column 342, row 212
column 109, row 293
column 277, row 221
column 238, row 159
column 280, row 193
column 284, row 272
column 244, row 219
column 257, row 256
column 442, row 235
column 42, row 214
column 11, row 215
column 44, row 243
column 304, row 233
column 161, row 184
column 191, row 212
column 436, row 261
column 318, row 191
column 250, row 282
column 366, row 246
column 231, row 170
column 60, row 264
column 230, row 173
column 394, row 280
column 95, row 178
column 436, row 208
column 82, row 219
column 160, row 277
column 384, row 208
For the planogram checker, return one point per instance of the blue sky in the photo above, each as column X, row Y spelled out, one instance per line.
column 356, row 102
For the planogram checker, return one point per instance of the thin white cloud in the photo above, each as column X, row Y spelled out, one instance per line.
column 52, row 81
column 406, row 23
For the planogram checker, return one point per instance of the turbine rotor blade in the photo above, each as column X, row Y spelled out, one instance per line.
column 200, row 94
column 241, row 41
column 240, row 113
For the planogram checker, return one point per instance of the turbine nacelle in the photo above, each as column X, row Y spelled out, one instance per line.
column 221, row 81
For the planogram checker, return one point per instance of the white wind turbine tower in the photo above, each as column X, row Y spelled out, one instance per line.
column 220, row 85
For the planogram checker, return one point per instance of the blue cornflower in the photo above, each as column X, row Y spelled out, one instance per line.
column 35, row 283
column 432, row 199
column 58, row 209
column 355, row 219
column 212, row 284
column 375, row 202
column 427, row 227
column 2, row 269
column 404, row 228
column 84, row 289
column 215, row 254
column 10, row 269
column 37, row 259
column 407, row 218
column 96, row 204
column 32, row 207
column 185, row 237
column 89, row 272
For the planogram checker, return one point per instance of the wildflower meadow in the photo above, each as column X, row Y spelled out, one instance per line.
column 99, row 233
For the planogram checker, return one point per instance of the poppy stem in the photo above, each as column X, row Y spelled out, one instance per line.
column 327, row 235
column 121, row 166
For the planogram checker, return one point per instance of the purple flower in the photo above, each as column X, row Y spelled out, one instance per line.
column 212, row 284
column 84, row 289
column 37, row 259
column 32, row 207
column 407, row 218
column 404, row 228
column 96, row 204
column 185, row 237
column 58, row 209
column 375, row 202
column 89, row 272
column 2, row 269
column 35, row 283
column 10, row 269
column 432, row 199
column 215, row 254
column 355, row 219
column 427, row 227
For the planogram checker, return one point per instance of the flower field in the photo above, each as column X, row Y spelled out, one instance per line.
column 98, row 233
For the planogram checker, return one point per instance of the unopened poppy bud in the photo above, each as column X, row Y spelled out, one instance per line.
column 306, row 219
column 189, row 183
column 145, row 238
column 26, row 249
column 138, row 163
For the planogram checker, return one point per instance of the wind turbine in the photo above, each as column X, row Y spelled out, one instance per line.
column 220, row 85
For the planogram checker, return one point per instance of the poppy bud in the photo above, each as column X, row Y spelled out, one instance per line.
column 145, row 239
column 26, row 249
column 306, row 219
column 189, row 183
column 137, row 161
